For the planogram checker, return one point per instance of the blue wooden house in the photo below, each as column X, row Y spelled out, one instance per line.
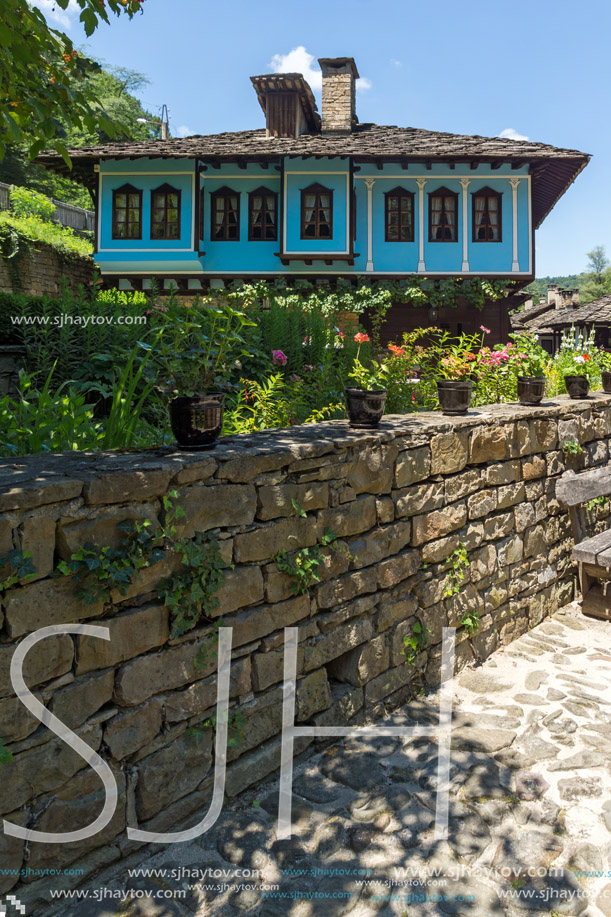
column 321, row 196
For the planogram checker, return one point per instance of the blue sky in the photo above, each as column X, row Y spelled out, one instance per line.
column 476, row 67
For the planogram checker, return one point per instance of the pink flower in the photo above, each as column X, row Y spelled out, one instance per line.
column 294, row 378
column 485, row 330
column 361, row 338
column 278, row 358
column 308, row 368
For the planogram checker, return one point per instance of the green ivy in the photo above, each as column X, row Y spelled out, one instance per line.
column 458, row 561
column 236, row 725
column 20, row 567
column 303, row 566
column 6, row 756
column 191, row 593
column 415, row 643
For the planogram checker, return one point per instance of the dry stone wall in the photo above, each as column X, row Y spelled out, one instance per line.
column 400, row 500
column 41, row 270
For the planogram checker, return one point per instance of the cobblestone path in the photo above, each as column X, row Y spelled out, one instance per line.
column 530, row 793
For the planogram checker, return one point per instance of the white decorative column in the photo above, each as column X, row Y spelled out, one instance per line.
column 369, row 182
column 465, row 182
column 515, row 184
column 421, row 183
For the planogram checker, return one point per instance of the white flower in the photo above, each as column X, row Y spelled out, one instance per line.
column 580, row 359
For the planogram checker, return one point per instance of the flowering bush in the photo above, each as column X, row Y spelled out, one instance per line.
column 578, row 356
column 528, row 357
column 371, row 376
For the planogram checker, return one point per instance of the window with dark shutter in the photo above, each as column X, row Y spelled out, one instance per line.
column 487, row 216
column 127, row 213
column 225, row 216
column 443, row 211
column 262, row 215
column 399, row 215
column 165, row 213
column 316, row 212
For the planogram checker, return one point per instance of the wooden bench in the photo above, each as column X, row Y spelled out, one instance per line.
column 592, row 554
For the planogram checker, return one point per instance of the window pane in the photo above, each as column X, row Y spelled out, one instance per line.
column 310, row 200
column 120, row 216
column 134, row 200
column 219, row 203
column 270, row 203
column 393, row 203
column 324, row 230
column 120, row 200
column 172, row 200
column 120, row 230
column 134, row 231
column 173, row 216
column 256, row 203
column 173, row 230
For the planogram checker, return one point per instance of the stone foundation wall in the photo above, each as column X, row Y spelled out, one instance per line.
column 39, row 270
column 400, row 499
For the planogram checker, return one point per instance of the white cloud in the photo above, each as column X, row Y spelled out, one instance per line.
column 301, row 61
column 396, row 63
column 184, row 131
column 54, row 14
column 512, row 134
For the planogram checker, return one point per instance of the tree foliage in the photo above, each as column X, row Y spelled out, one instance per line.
column 43, row 81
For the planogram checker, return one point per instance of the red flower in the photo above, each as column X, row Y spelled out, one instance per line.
column 586, row 357
column 361, row 338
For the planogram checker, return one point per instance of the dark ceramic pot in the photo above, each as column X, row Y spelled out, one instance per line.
column 365, row 407
column 531, row 389
column 606, row 376
column 577, row 386
column 454, row 395
column 197, row 420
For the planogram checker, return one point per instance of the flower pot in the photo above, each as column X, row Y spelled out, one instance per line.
column 531, row 389
column 197, row 420
column 365, row 407
column 577, row 386
column 454, row 395
column 606, row 376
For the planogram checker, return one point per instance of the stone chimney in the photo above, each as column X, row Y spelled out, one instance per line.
column 552, row 297
column 338, row 94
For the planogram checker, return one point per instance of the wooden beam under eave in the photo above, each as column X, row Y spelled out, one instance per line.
column 517, row 165
column 473, row 166
column 495, row 165
column 428, row 166
column 405, row 166
column 241, row 164
column 452, row 165
column 379, row 166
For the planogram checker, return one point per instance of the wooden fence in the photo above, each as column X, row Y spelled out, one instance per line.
column 74, row 217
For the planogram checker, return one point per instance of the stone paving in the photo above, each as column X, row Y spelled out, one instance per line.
column 530, row 793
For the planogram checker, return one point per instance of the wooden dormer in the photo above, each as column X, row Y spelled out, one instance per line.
column 288, row 103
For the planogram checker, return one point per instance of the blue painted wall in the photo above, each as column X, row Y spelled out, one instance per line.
column 260, row 257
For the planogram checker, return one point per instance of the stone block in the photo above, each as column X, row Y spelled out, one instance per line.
column 418, row 499
column 488, row 444
column 48, row 659
column 379, row 544
column 360, row 665
column 253, row 767
column 388, row 682
column 141, row 678
column 385, row 510
column 436, row 524
column 38, row 492
column 128, row 732
column 131, row 634
column 510, row 495
column 524, row 515
column 6, row 535
column 43, row 769
column 245, row 468
column 48, row 601
column 12, row 851
column 449, row 453
column 198, row 468
column 241, row 587
column 350, row 519
column 498, row 526
column 545, row 435
column 395, row 569
column 36, row 534
column 520, row 442
column 277, row 585
column 535, row 543
column 77, row 702
column 503, row 473
column 148, row 579
column 569, row 429
column 483, row 562
column 172, row 773
column 510, row 551
column 277, row 500
column 373, row 470
column 461, row 485
column 313, row 695
column 120, row 486
column 474, row 536
column 534, row 467
column 482, row 503
column 202, row 695
column 268, row 668
column 71, row 808
column 251, row 625
column 347, row 587
column 99, row 527
column 392, row 610
column 329, row 646
column 289, row 535
column 412, row 465
column 211, row 506
column 16, row 720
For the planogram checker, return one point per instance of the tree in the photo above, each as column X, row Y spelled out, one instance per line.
column 598, row 275
column 113, row 88
column 43, row 81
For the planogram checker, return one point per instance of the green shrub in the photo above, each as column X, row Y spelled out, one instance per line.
column 27, row 203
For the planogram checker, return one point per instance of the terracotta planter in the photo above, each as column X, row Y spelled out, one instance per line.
column 606, row 376
column 365, row 407
column 577, row 386
column 531, row 389
column 197, row 420
column 454, row 395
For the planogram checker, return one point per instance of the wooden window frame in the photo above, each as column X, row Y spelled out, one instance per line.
column 262, row 192
column 400, row 193
column 316, row 189
column 443, row 193
column 224, row 192
column 127, row 190
column 166, row 190
column 487, row 193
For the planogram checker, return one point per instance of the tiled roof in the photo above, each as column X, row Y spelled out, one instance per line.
column 548, row 319
column 553, row 169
